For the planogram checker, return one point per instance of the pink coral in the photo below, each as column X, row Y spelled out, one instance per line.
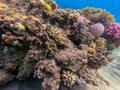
column 81, row 19
column 97, row 29
column 113, row 30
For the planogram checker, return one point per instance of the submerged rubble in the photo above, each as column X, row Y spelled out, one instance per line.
column 59, row 46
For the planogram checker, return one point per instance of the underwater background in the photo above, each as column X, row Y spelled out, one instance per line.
column 111, row 72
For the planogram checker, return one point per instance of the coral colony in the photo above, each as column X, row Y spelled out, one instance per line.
column 61, row 47
column 113, row 31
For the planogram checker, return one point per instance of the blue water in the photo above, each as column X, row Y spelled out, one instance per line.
column 113, row 6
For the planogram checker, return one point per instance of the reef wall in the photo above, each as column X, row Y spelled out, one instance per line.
column 64, row 47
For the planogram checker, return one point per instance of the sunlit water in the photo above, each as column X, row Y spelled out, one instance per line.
column 111, row 72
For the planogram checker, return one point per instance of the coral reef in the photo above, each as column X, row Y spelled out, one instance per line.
column 97, row 15
column 98, row 59
column 71, row 59
column 39, row 39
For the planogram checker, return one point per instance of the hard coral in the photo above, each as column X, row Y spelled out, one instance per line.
column 100, row 42
column 68, row 78
column 48, row 70
column 3, row 6
column 97, row 29
column 59, row 37
column 49, row 44
column 47, row 6
column 97, row 15
column 71, row 59
column 81, row 37
column 99, row 58
column 113, row 31
column 91, row 51
column 5, row 77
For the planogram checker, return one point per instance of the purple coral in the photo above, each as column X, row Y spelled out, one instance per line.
column 97, row 29
column 113, row 31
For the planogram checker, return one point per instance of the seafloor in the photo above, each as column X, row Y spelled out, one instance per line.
column 63, row 48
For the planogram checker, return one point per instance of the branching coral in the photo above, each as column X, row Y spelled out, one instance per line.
column 113, row 31
column 81, row 37
column 99, row 58
column 29, row 61
column 68, row 78
column 71, row 59
column 48, row 70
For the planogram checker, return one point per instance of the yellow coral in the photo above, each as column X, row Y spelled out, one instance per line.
column 92, row 45
column 91, row 51
column 3, row 6
column 19, row 26
column 47, row 6
column 59, row 37
column 101, row 42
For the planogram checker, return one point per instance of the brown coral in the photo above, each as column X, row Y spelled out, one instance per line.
column 5, row 77
column 48, row 70
column 49, row 44
column 68, row 78
column 71, row 59
column 99, row 58
column 97, row 15
column 59, row 37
